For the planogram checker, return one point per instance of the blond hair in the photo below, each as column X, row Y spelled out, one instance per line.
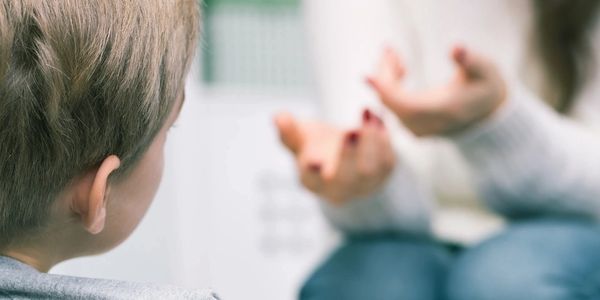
column 81, row 80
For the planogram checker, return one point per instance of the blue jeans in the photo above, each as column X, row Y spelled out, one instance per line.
column 544, row 259
column 534, row 260
column 381, row 267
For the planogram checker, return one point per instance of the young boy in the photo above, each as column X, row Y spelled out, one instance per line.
column 88, row 91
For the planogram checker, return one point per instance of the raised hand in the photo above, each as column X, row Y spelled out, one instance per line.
column 474, row 93
column 339, row 165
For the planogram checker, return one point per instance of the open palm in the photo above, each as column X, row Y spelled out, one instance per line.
column 339, row 165
column 475, row 92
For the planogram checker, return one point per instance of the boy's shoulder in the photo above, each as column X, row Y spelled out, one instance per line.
column 20, row 281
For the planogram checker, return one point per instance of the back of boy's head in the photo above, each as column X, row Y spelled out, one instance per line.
column 81, row 80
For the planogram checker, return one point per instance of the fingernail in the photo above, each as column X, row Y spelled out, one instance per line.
column 352, row 138
column 314, row 167
column 367, row 115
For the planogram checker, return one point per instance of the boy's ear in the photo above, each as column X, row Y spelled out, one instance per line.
column 90, row 199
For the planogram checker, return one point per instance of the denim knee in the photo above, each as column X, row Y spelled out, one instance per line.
column 537, row 260
column 380, row 268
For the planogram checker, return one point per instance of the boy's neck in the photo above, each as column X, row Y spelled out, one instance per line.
column 42, row 262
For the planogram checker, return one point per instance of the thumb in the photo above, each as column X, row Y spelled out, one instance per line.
column 288, row 131
column 472, row 65
column 392, row 97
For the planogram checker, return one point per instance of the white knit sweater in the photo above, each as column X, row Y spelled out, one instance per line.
column 526, row 160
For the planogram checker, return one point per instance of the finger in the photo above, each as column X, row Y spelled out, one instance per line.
column 396, row 63
column 288, row 131
column 471, row 64
column 348, row 153
column 345, row 159
column 381, row 137
column 371, row 119
column 391, row 68
column 376, row 158
column 367, row 164
column 393, row 97
column 341, row 177
column 311, row 176
column 386, row 152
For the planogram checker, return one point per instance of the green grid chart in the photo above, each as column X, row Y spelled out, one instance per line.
column 256, row 3
column 255, row 43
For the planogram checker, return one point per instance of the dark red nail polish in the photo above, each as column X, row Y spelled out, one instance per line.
column 367, row 115
column 352, row 138
column 314, row 167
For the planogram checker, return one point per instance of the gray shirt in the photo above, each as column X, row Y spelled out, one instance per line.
column 21, row 281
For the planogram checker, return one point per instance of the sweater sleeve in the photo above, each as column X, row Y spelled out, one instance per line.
column 530, row 161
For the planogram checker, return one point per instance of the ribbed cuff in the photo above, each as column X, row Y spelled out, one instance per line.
column 511, row 140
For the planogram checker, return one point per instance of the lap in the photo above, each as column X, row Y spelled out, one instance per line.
column 543, row 259
column 382, row 267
